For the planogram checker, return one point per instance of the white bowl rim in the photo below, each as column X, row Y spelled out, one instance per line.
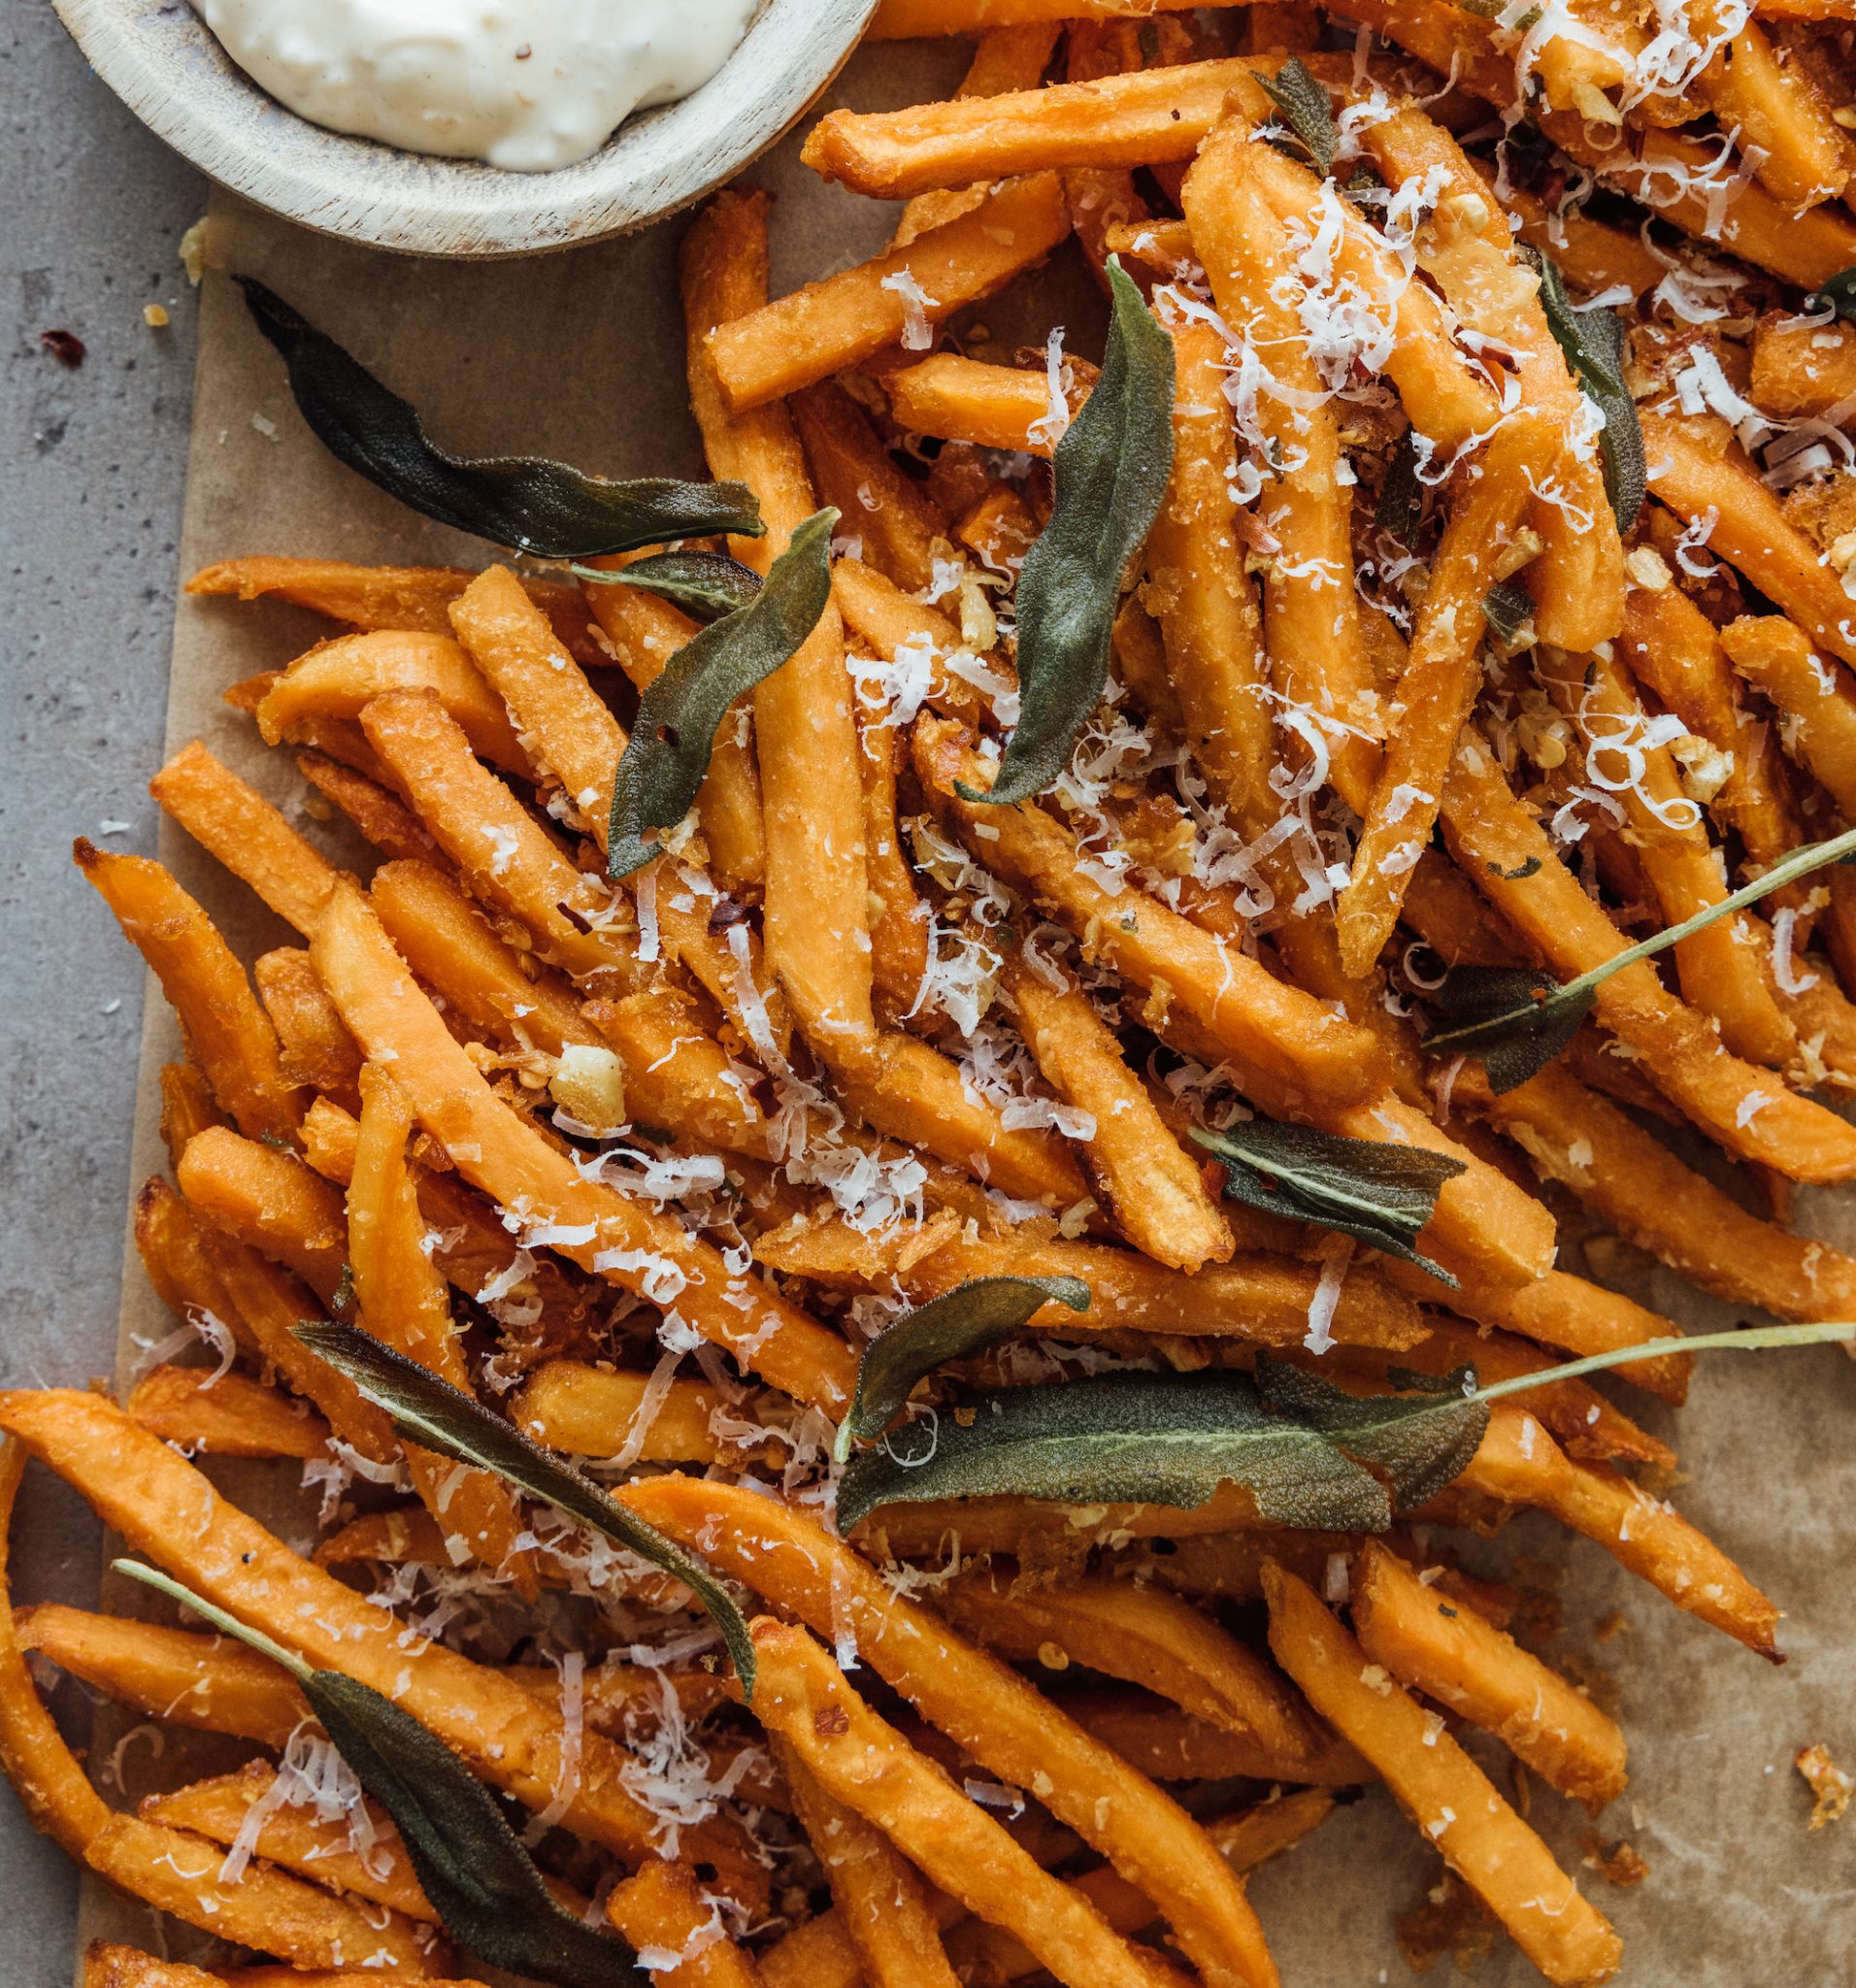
column 163, row 61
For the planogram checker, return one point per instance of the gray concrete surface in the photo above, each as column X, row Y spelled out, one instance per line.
column 89, row 513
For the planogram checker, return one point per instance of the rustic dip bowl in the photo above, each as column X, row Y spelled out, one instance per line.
column 162, row 61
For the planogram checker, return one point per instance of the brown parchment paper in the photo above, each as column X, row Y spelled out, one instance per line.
column 579, row 356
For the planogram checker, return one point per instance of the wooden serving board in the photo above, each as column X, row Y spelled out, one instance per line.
column 579, row 356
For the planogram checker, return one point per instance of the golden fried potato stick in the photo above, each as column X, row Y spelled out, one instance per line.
column 228, row 1035
column 679, row 1075
column 187, row 1107
column 124, row 1967
column 232, row 821
column 1577, row 579
column 1719, row 967
column 402, row 1296
column 878, row 613
column 1137, row 118
column 1143, row 1635
column 1450, row 1654
column 314, row 1047
column 381, row 817
column 166, row 1510
column 588, row 1411
column 270, row 1200
column 171, row 1869
column 1782, row 121
column 168, row 1240
column 902, row 20
column 851, row 469
column 1104, row 199
column 1246, row 1838
column 660, row 1911
column 300, row 1840
column 209, row 1683
column 229, row 1415
column 340, row 679
column 815, row 922
column 324, row 1977
column 646, row 632
column 507, row 860
column 1802, row 369
column 410, row 598
column 1694, row 467
column 1045, row 1534
column 1148, row 1186
column 971, row 400
column 883, row 1903
column 1508, row 855
column 801, row 1696
column 1589, row 254
column 594, row 1226
column 1651, row 1197
column 1814, row 698
column 997, row 1718
column 1436, row 690
column 1520, row 1463
column 1257, row 1298
column 798, row 340
column 1442, row 1790
column 901, row 924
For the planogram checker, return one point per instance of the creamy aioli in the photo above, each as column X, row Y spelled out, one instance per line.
column 528, row 84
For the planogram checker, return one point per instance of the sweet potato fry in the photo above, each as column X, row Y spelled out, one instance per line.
column 1145, row 1181
column 1802, row 369
column 678, row 1077
column 165, row 1509
column 411, row 598
column 882, row 1902
column 380, row 816
column 340, row 679
column 1519, row 1462
column 877, row 611
column 661, row 1912
column 594, row 1226
column 1442, row 1790
column 987, row 1711
column 228, row 1035
column 799, row 340
column 595, row 1412
column 1781, row 120
column 900, row 20
column 802, row 1696
column 270, row 1200
column 506, row 858
column 1450, row 1654
column 889, row 512
column 1255, row 1297
column 1814, row 696
column 168, row 1240
column 994, row 407
column 1141, row 1635
column 901, row 924
column 235, row 823
column 230, row 1416
column 315, row 1049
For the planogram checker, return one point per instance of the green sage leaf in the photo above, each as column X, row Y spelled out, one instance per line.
column 1306, row 110
column 960, row 1322
column 706, row 586
column 1593, row 341
column 1839, row 292
column 1508, row 609
column 1110, row 472
column 525, row 501
column 481, row 1881
column 1418, row 1441
column 430, row 1412
column 1400, row 506
column 680, row 715
column 1114, row 1439
column 1517, row 1020
column 1380, row 1195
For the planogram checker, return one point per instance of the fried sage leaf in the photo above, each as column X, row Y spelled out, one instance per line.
column 678, row 716
column 1110, row 472
column 1306, row 110
column 523, row 501
column 1839, row 292
column 1519, row 1020
column 1400, row 509
column 959, row 1322
column 430, row 1412
column 1508, row 609
column 1593, row 341
column 1380, row 1195
column 1113, row 1438
column 1418, row 1439
column 471, row 1864
column 706, row 586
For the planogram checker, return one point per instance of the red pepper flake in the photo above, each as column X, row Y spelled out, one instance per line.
column 66, row 347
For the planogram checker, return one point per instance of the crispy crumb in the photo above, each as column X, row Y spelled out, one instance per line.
column 1829, row 1785
column 1449, row 1919
column 1619, row 1863
column 192, row 251
column 1599, row 1685
column 1612, row 1625
column 155, row 316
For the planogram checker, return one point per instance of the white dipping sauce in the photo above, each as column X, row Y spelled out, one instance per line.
column 528, row 84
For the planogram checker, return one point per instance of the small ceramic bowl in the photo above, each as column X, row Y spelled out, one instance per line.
column 162, row 61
